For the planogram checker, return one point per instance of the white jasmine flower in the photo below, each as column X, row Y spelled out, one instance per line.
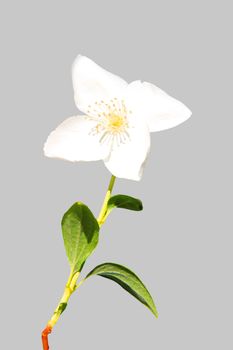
column 117, row 122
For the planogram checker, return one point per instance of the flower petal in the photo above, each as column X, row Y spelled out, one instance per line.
column 127, row 160
column 160, row 110
column 72, row 141
column 92, row 83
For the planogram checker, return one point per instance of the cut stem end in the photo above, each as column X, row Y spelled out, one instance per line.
column 44, row 336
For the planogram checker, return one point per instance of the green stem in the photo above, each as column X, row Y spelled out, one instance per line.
column 102, row 215
column 69, row 289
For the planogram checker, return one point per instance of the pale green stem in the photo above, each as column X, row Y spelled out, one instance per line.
column 69, row 289
column 102, row 215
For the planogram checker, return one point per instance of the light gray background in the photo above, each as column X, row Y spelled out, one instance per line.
column 181, row 244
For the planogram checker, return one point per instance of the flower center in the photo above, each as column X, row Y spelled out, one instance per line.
column 111, row 119
column 116, row 122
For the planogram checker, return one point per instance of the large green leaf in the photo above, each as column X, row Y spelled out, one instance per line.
column 125, row 202
column 127, row 280
column 80, row 233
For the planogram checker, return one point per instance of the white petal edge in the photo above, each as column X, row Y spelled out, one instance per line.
column 72, row 141
column 128, row 159
column 155, row 106
column 92, row 83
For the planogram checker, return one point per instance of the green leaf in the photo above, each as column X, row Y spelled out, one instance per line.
column 127, row 280
column 80, row 232
column 125, row 202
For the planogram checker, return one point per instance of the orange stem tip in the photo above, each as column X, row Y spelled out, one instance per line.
column 44, row 336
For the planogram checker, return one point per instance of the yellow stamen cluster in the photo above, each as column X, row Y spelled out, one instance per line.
column 111, row 121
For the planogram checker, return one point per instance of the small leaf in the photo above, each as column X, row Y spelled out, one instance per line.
column 125, row 202
column 62, row 307
column 80, row 234
column 127, row 280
